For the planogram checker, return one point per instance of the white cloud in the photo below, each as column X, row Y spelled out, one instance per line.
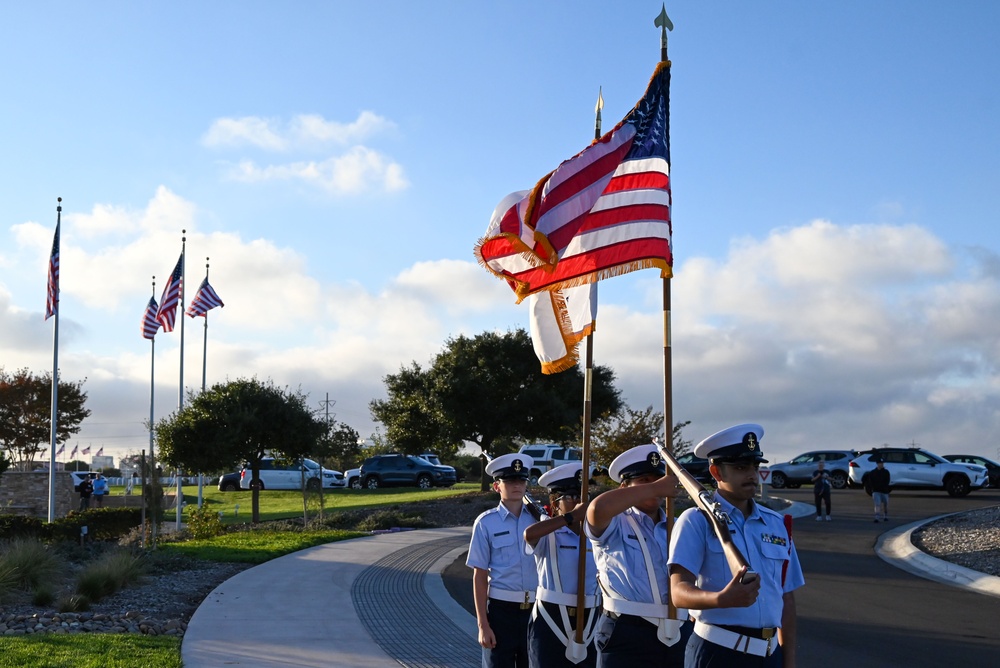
column 302, row 132
column 358, row 171
column 247, row 131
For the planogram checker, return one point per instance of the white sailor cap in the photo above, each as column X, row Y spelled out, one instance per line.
column 514, row 466
column 732, row 444
column 565, row 478
column 637, row 461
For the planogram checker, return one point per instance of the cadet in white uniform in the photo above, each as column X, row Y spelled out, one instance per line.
column 737, row 624
column 504, row 577
column 555, row 543
column 629, row 530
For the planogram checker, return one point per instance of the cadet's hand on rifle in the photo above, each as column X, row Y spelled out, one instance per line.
column 736, row 594
column 667, row 486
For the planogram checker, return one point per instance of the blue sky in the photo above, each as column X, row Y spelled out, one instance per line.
column 834, row 185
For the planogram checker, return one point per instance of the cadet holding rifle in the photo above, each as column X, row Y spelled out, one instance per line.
column 746, row 618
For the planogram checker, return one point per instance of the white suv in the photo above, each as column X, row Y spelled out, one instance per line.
column 916, row 468
column 277, row 474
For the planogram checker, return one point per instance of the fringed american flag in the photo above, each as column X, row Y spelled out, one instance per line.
column 603, row 212
column 204, row 301
column 149, row 322
column 171, row 297
column 52, row 301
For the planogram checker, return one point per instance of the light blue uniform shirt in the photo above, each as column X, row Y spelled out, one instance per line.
column 619, row 557
column 498, row 546
column 764, row 542
column 567, row 560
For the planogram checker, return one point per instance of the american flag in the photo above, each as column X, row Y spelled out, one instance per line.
column 204, row 301
column 603, row 212
column 149, row 322
column 558, row 321
column 73, row 454
column 52, row 302
column 171, row 297
column 85, row 451
column 62, row 449
column 100, row 452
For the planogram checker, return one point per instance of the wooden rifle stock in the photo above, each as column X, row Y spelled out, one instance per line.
column 717, row 518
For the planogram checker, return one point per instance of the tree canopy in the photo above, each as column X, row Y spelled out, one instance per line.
column 26, row 413
column 628, row 428
column 238, row 421
column 488, row 390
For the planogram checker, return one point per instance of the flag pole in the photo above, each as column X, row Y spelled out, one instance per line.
column 588, row 384
column 54, row 420
column 180, row 389
column 664, row 24
column 152, row 458
column 204, row 379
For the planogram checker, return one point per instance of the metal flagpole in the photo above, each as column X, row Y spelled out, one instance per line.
column 180, row 389
column 153, row 483
column 664, row 24
column 54, row 420
column 588, row 384
column 204, row 378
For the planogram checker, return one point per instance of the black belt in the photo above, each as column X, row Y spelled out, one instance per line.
column 763, row 634
column 632, row 620
column 509, row 605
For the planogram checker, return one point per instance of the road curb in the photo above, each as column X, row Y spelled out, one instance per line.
column 896, row 548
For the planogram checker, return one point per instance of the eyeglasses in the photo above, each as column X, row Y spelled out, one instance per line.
column 572, row 496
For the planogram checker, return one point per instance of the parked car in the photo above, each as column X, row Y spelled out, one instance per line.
column 230, row 482
column 696, row 466
column 406, row 470
column 992, row 467
column 550, row 455
column 353, row 477
column 278, row 474
column 916, row 468
column 799, row 471
column 78, row 477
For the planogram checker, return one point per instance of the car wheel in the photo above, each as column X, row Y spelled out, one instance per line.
column 533, row 478
column 424, row 482
column 778, row 479
column 230, row 487
column 838, row 479
column 354, row 483
column 371, row 482
column 312, row 484
column 957, row 485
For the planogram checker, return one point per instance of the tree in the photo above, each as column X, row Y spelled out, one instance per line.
column 339, row 445
column 628, row 428
column 488, row 390
column 26, row 414
column 235, row 422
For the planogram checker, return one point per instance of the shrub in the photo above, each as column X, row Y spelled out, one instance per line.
column 390, row 519
column 73, row 603
column 109, row 573
column 204, row 523
column 20, row 526
column 33, row 563
column 101, row 523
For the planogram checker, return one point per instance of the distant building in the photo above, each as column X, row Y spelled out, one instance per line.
column 102, row 462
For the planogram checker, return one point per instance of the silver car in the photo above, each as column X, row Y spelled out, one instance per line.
column 799, row 470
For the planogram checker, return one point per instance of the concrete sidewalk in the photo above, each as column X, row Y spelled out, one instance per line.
column 373, row 602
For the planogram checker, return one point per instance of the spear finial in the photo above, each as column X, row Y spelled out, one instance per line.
column 663, row 23
column 597, row 111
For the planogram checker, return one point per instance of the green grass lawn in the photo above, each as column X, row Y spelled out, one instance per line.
column 257, row 546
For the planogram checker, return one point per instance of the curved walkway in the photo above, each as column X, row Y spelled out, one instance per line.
column 379, row 602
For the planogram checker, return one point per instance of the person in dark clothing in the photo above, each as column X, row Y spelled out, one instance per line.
column 878, row 481
column 821, row 490
column 86, row 489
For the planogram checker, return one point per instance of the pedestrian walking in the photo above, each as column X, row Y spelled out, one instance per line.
column 878, row 481
column 821, row 490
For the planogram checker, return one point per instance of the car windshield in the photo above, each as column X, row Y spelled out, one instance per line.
column 310, row 464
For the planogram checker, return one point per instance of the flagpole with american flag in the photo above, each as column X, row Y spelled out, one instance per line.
column 52, row 309
column 150, row 325
column 180, row 389
column 204, row 300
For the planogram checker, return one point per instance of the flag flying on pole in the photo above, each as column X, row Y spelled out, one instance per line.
column 52, row 301
column 171, row 297
column 73, row 454
column 85, row 451
column 62, row 449
column 204, row 300
column 602, row 213
column 100, row 452
column 559, row 320
column 149, row 322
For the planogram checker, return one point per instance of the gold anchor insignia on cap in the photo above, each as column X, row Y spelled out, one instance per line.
column 517, row 465
column 654, row 458
column 750, row 440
